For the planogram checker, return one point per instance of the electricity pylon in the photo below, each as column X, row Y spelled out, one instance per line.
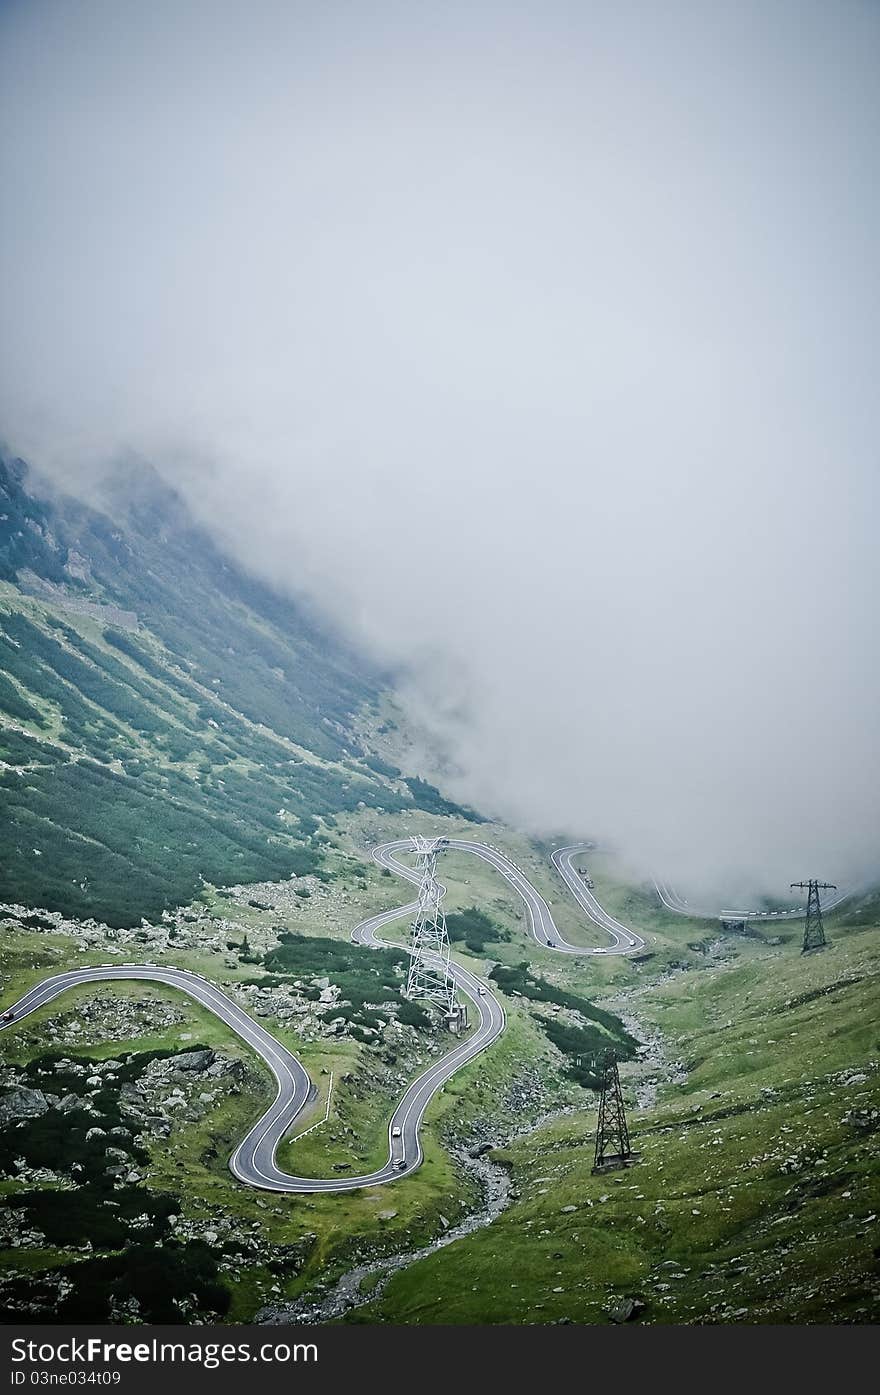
column 612, row 1134
column 814, row 930
column 429, row 976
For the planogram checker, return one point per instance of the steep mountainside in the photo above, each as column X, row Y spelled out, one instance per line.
column 164, row 719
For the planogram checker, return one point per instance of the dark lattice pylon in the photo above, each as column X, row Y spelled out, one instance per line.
column 814, row 930
column 612, row 1135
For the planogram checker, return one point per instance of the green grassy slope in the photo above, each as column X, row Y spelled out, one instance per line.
column 757, row 1197
column 199, row 744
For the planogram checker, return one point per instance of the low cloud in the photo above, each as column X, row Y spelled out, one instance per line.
column 534, row 343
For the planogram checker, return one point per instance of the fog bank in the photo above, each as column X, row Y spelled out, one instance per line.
column 537, row 343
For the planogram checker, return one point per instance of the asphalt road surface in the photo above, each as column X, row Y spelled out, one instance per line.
column 544, row 929
column 253, row 1161
column 674, row 901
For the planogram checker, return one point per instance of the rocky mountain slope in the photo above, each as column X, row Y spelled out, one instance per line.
column 165, row 720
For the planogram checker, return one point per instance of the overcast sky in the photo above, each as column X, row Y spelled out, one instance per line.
column 539, row 342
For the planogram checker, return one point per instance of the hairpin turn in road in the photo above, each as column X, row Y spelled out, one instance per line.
column 253, row 1161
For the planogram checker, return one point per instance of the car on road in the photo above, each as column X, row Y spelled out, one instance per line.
column 482, row 992
column 7, row 1015
column 401, row 1164
column 395, row 1132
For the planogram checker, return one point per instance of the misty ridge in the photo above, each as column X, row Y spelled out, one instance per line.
column 536, row 353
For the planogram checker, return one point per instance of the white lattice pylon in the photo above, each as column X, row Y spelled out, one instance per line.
column 429, row 976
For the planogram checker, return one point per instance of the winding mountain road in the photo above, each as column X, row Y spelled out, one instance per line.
column 679, row 905
column 253, row 1161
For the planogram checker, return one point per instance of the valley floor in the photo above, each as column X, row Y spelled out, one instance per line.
column 755, row 1107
